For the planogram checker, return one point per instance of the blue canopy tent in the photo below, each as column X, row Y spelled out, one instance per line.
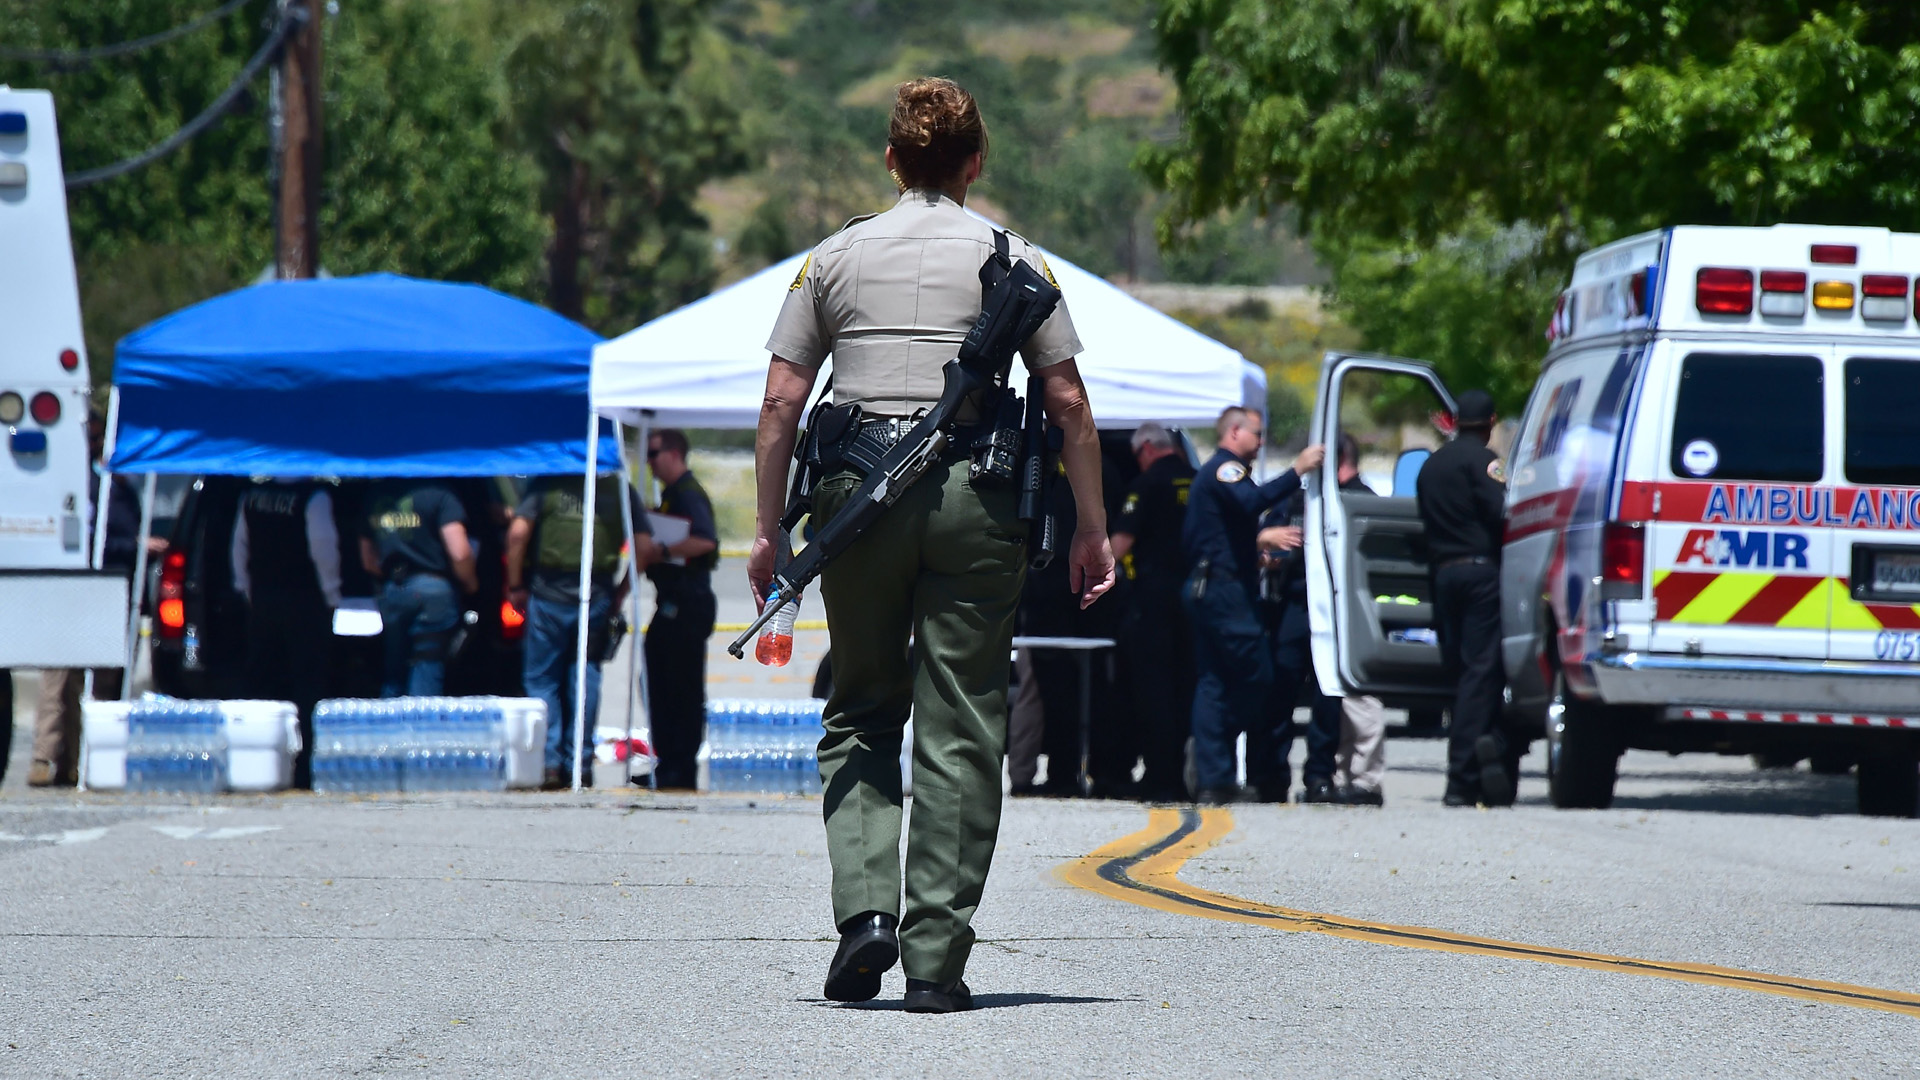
column 377, row 375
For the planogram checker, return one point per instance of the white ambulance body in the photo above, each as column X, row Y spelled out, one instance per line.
column 56, row 610
column 1713, row 515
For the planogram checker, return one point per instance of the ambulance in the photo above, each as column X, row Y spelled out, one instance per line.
column 57, row 609
column 1713, row 514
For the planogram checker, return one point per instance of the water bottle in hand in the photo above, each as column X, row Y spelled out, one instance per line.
column 775, row 647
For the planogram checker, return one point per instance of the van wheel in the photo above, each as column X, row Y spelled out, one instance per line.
column 1583, row 753
column 1890, row 784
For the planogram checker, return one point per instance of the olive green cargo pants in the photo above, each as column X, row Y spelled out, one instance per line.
column 943, row 568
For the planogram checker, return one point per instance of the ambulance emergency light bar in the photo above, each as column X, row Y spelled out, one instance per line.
column 1722, row 290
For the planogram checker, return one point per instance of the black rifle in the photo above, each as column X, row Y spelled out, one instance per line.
column 1014, row 307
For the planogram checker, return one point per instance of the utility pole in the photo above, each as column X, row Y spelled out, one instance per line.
column 297, row 247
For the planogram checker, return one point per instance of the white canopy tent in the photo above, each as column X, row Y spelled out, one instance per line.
column 705, row 365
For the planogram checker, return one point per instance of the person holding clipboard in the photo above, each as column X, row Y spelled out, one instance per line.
column 676, row 641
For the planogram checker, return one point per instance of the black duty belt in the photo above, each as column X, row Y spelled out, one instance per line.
column 1465, row 560
column 879, row 434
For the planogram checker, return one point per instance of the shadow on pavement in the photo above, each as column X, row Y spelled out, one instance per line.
column 1788, row 794
column 982, row 1001
column 1866, row 904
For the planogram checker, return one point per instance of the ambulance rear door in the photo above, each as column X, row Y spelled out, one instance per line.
column 1741, row 539
column 1876, row 603
column 1369, row 601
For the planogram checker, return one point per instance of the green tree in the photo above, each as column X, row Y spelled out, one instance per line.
column 416, row 179
column 1469, row 148
column 626, row 111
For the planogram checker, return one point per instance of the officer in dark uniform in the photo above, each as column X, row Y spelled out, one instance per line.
column 683, row 614
column 1155, row 640
column 416, row 542
column 1283, row 594
column 286, row 563
column 1231, row 647
column 1462, row 497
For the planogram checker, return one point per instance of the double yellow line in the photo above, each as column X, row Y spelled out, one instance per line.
column 1144, row 869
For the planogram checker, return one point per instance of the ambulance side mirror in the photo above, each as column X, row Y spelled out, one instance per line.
column 1406, row 472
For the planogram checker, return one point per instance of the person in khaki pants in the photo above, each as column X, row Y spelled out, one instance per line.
column 891, row 298
column 56, row 723
column 56, row 720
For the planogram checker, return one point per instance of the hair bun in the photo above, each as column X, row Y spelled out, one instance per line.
column 936, row 127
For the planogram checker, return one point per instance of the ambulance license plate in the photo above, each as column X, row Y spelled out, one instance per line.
column 1893, row 575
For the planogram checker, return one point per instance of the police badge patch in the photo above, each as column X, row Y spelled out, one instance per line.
column 1230, row 472
column 1497, row 470
column 801, row 277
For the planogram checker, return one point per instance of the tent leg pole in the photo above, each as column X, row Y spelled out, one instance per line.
column 138, row 588
column 633, row 590
column 591, row 483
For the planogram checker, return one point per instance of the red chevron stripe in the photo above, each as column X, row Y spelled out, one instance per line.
column 1677, row 590
column 1774, row 600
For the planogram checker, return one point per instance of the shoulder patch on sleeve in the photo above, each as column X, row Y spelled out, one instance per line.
column 801, row 277
column 1048, row 270
column 1132, row 503
column 1497, row 470
column 1230, row 472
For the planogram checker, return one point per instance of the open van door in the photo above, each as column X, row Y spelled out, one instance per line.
column 1369, row 601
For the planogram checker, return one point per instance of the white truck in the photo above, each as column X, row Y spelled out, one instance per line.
column 1713, row 515
column 57, row 607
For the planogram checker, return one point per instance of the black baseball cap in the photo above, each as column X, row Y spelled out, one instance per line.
column 1474, row 409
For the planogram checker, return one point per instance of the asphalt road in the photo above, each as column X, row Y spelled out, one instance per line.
column 626, row 934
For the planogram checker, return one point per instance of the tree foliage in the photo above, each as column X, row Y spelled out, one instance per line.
column 627, row 112
column 415, row 182
column 1465, row 150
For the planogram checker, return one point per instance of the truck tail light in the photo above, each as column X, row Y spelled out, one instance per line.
column 173, row 590
column 512, row 623
column 1720, row 290
column 69, row 359
column 1623, row 560
column 1783, row 293
column 1835, row 254
column 1883, row 297
column 45, row 408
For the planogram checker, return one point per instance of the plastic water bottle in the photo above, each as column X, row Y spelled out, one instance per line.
column 775, row 647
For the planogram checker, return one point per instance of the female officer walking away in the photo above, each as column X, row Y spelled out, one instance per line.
column 891, row 297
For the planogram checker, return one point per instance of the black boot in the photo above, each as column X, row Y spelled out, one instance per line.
column 1496, row 778
column 869, row 945
column 930, row 997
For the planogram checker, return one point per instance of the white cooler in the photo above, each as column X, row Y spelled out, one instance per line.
column 526, row 732
column 103, row 744
column 263, row 738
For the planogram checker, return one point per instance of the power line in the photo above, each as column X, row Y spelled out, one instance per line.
column 77, row 57
column 213, row 112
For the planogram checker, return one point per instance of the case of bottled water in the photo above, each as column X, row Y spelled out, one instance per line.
column 192, row 747
column 765, row 746
column 428, row 744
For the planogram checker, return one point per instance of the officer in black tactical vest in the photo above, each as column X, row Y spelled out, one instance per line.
column 543, row 583
column 417, row 544
column 286, row 563
column 682, row 577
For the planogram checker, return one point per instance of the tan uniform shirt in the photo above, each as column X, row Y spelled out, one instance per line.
column 892, row 298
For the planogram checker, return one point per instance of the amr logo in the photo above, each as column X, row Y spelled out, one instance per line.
column 1738, row 547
